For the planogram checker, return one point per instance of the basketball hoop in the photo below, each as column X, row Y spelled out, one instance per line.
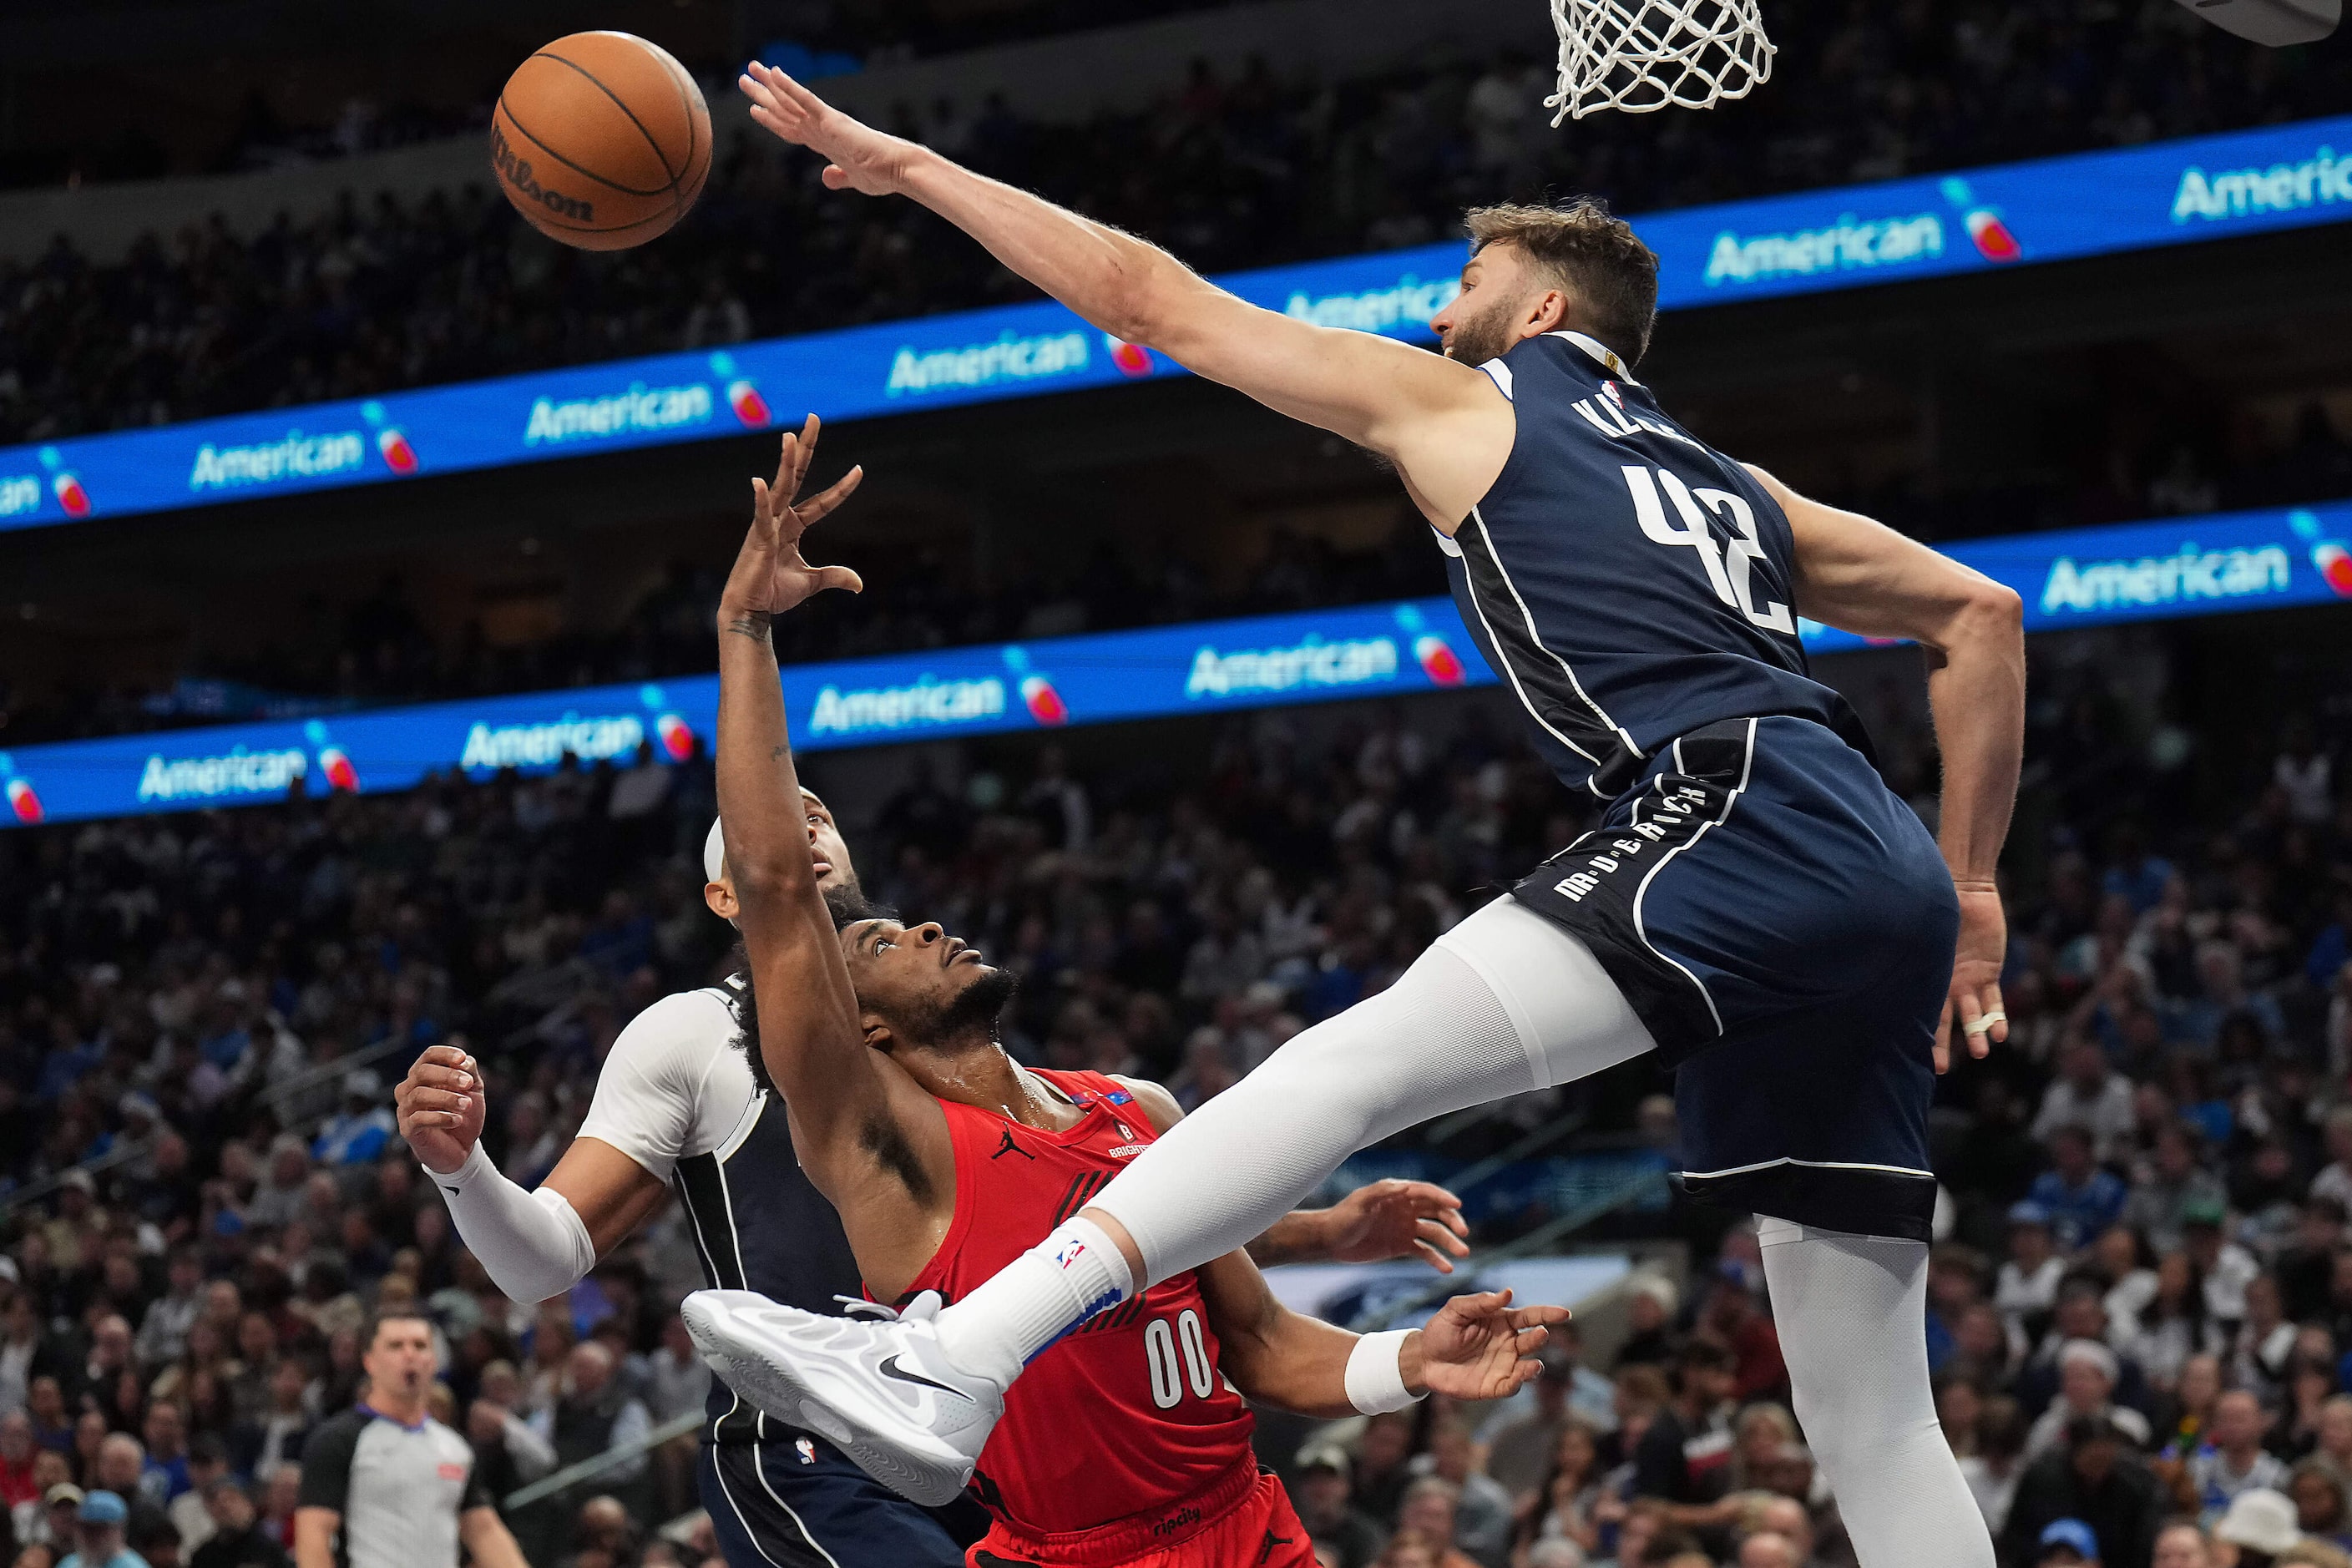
column 1640, row 56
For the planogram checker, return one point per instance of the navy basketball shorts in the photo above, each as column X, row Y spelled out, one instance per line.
column 1784, row 925
column 797, row 1502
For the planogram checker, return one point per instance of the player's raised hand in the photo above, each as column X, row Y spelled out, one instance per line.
column 1396, row 1218
column 440, row 1105
column 1481, row 1347
column 1974, row 1001
column 770, row 576
column 857, row 157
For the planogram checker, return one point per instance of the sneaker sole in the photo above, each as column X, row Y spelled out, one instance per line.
column 774, row 1389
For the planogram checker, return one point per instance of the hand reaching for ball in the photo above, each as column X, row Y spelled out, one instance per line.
column 858, row 157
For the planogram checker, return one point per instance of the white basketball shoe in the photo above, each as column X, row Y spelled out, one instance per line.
column 879, row 1387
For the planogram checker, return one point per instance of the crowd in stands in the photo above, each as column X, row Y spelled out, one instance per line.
column 1253, row 168
column 2140, row 1313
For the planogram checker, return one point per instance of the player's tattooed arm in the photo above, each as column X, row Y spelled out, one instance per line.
column 841, row 1105
column 1863, row 577
column 1376, row 1222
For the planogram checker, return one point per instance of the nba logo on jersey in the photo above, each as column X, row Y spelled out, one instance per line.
column 1071, row 1252
column 1609, row 390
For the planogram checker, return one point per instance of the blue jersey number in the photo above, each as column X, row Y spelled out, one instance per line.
column 1729, row 561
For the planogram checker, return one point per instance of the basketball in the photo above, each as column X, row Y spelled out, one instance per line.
column 600, row 140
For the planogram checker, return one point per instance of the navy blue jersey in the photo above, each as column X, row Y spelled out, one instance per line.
column 1627, row 581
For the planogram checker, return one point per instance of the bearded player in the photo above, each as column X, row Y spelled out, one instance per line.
column 1757, row 906
column 681, row 1105
column 1129, row 1444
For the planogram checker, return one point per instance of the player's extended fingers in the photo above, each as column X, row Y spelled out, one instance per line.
column 432, row 1074
column 1990, row 998
column 1943, row 1049
column 1538, row 1317
column 1435, row 1233
column 822, row 504
column 421, row 1099
column 1436, row 1260
column 840, row 577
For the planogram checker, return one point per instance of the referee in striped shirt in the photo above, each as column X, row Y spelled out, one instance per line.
column 386, row 1485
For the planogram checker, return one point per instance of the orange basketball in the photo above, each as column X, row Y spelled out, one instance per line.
column 600, row 140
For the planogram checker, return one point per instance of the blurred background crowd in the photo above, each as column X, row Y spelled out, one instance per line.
column 1253, row 168
column 2141, row 1310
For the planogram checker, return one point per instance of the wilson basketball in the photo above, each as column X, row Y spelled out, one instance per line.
column 600, row 140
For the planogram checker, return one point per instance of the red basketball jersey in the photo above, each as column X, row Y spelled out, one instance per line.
column 1127, row 1412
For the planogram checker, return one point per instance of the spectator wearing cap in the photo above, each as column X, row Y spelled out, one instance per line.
column 2228, row 1267
column 237, row 1538
column 2067, row 1542
column 54, row 1525
column 1333, row 1523
column 2171, row 1184
column 99, row 1526
column 2097, row 1478
column 2081, row 1199
column 2260, row 1524
column 2231, row 1461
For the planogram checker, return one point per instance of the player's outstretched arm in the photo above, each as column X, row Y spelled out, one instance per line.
column 1399, row 401
column 1863, row 577
column 1391, row 1218
column 1477, row 1347
column 813, row 1049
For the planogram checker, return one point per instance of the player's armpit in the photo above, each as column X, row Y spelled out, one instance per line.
column 611, row 1192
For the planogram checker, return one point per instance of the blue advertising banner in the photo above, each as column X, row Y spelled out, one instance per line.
column 1361, row 651
column 2057, row 208
column 2188, row 567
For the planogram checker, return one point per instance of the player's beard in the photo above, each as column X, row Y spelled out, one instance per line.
column 1484, row 336
column 970, row 1016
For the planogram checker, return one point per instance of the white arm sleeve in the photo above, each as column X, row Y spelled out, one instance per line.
column 532, row 1243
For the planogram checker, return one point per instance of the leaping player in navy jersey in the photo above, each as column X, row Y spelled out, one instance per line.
column 1128, row 1445
column 1757, row 906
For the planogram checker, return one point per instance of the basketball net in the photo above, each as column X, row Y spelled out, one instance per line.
column 1644, row 55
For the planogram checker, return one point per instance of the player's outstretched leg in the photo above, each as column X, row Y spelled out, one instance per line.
column 1505, row 1001
column 1850, row 1310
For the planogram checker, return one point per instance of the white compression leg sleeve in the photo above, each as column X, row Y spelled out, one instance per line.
column 532, row 1245
column 1852, row 1312
column 1504, row 1003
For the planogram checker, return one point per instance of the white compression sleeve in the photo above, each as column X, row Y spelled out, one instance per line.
column 532, row 1243
column 1504, row 1003
column 1851, row 1313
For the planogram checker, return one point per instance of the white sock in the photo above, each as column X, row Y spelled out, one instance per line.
column 1852, row 1312
column 1034, row 1301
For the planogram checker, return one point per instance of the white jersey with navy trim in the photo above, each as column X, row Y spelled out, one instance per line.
column 1629, row 583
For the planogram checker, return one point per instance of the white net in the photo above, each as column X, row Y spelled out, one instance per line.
column 1642, row 55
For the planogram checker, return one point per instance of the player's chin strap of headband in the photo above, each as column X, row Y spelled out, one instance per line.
column 1376, row 1372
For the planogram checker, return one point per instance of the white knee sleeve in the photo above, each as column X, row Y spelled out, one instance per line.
column 1505, row 1003
column 1852, row 1315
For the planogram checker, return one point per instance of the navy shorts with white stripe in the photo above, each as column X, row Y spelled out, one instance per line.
column 1784, row 926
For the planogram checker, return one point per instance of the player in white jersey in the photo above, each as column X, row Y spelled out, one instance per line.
column 681, row 1104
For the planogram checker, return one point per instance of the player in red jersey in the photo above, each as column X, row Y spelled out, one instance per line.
column 1129, row 1441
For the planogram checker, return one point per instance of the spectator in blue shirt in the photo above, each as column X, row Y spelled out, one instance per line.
column 2081, row 1199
